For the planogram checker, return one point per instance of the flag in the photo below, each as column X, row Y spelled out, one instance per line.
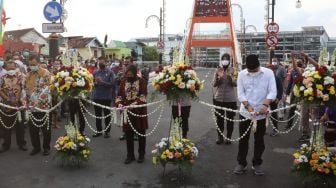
column 2, row 27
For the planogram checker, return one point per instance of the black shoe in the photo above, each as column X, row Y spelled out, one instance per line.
column 46, row 152
column 219, row 141
column 141, row 159
column 23, row 148
column 129, row 160
column 107, row 135
column 122, row 137
column 97, row 135
column 34, row 152
column 227, row 142
column 4, row 149
column 136, row 137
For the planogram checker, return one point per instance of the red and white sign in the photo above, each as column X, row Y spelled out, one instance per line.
column 272, row 41
column 160, row 45
column 272, row 28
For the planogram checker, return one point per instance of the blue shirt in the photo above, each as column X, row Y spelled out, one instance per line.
column 256, row 89
column 105, row 90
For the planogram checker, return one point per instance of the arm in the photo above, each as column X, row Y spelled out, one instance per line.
column 310, row 60
column 142, row 98
column 272, row 91
column 279, row 89
column 216, row 80
column 109, row 83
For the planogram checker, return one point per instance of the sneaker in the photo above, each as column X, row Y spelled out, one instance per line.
column 274, row 133
column 304, row 138
column 240, row 169
column 257, row 170
column 227, row 142
column 97, row 135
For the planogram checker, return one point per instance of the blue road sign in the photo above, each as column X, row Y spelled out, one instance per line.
column 53, row 11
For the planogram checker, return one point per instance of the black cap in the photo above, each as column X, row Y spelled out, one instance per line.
column 252, row 62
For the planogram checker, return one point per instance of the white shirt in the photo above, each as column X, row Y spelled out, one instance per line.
column 2, row 71
column 255, row 89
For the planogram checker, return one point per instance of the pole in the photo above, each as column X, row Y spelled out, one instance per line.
column 272, row 50
column 244, row 43
column 160, row 37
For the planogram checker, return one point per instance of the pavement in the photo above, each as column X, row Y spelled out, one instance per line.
column 105, row 169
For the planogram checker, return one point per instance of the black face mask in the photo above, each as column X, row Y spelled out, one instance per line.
column 131, row 79
column 102, row 66
column 299, row 65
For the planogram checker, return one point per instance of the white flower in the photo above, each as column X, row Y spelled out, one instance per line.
column 304, row 146
column 162, row 144
column 87, row 139
column 56, row 84
column 164, row 139
column 81, row 82
column 178, row 145
column 323, row 158
column 302, row 88
column 182, row 85
column 81, row 144
column 154, row 151
column 64, row 74
column 191, row 82
column 328, row 80
column 194, row 150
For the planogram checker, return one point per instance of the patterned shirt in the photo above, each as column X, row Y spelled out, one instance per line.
column 13, row 87
column 37, row 87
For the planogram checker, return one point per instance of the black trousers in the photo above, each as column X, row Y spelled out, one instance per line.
column 130, row 143
column 34, row 132
column 99, row 112
column 259, row 145
column 7, row 133
column 230, row 115
column 274, row 106
column 74, row 109
column 185, row 113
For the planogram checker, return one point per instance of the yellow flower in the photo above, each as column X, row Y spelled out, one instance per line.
column 310, row 98
column 154, row 161
column 326, row 170
column 163, row 156
column 296, row 91
column 319, row 87
column 296, row 155
column 334, row 172
column 172, row 78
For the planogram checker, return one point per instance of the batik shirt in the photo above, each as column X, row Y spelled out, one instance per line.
column 37, row 87
column 14, row 88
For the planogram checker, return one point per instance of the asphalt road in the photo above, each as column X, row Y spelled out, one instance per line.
column 213, row 168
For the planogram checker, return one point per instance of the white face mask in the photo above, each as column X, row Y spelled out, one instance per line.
column 274, row 63
column 224, row 63
column 11, row 72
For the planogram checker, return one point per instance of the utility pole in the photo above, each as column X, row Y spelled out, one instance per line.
column 272, row 49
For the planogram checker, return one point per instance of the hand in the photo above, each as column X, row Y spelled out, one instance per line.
column 98, row 79
column 263, row 110
column 324, row 118
column 220, row 73
column 120, row 106
column 250, row 109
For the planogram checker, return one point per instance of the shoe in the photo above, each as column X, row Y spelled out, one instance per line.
column 220, row 139
column 46, row 152
column 227, row 142
column 141, row 159
column 129, row 160
column 240, row 169
column 4, row 149
column 136, row 137
column 34, row 152
column 304, row 138
column 122, row 137
column 107, row 135
column 257, row 170
column 274, row 133
column 97, row 135
column 23, row 148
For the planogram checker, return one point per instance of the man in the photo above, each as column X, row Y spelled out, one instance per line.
column 256, row 90
column 145, row 73
column 2, row 70
column 281, row 73
column 103, row 91
column 12, row 93
column 38, row 95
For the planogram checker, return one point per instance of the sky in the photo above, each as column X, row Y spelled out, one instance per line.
column 125, row 19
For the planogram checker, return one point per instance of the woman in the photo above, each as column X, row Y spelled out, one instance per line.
column 133, row 91
column 224, row 96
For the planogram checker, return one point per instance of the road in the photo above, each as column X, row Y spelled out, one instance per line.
column 213, row 168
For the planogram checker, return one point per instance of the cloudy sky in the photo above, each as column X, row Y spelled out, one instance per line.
column 125, row 19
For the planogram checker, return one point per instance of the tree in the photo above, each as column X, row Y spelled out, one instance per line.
column 150, row 54
column 134, row 54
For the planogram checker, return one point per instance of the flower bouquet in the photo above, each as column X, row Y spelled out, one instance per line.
column 315, row 166
column 72, row 82
column 178, row 81
column 73, row 148
column 175, row 150
column 316, row 85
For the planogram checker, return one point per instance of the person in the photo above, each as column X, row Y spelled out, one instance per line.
column 224, row 96
column 185, row 113
column 145, row 73
column 91, row 66
column 133, row 91
column 2, row 69
column 104, row 87
column 38, row 96
column 20, row 64
column 256, row 90
column 12, row 93
column 280, row 70
column 329, row 120
column 274, row 104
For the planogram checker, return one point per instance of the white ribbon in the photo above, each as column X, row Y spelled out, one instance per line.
column 115, row 121
column 19, row 116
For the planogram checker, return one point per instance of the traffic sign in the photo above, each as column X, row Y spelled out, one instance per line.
column 272, row 28
column 160, row 45
column 272, row 41
column 52, row 28
column 53, row 11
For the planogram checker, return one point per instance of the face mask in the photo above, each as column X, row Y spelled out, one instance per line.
column 1, row 63
column 34, row 68
column 11, row 72
column 225, row 63
column 274, row 63
column 102, row 66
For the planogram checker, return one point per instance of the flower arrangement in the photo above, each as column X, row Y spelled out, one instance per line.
column 175, row 150
column 315, row 165
column 178, row 81
column 316, row 85
column 73, row 148
column 72, row 81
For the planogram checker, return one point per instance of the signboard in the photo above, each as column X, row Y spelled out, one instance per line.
column 52, row 28
column 272, row 41
column 272, row 28
column 160, row 45
column 53, row 11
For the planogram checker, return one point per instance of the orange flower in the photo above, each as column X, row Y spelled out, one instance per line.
column 312, row 162
column 315, row 156
column 192, row 88
column 186, row 152
column 157, row 86
column 178, row 155
column 328, row 165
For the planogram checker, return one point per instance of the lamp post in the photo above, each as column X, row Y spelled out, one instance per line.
column 244, row 37
column 298, row 4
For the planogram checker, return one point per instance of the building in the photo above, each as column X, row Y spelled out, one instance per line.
column 136, row 47
column 87, row 47
column 25, row 40
column 310, row 40
column 117, row 48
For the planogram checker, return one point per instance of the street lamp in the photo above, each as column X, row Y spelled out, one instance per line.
column 298, row 4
